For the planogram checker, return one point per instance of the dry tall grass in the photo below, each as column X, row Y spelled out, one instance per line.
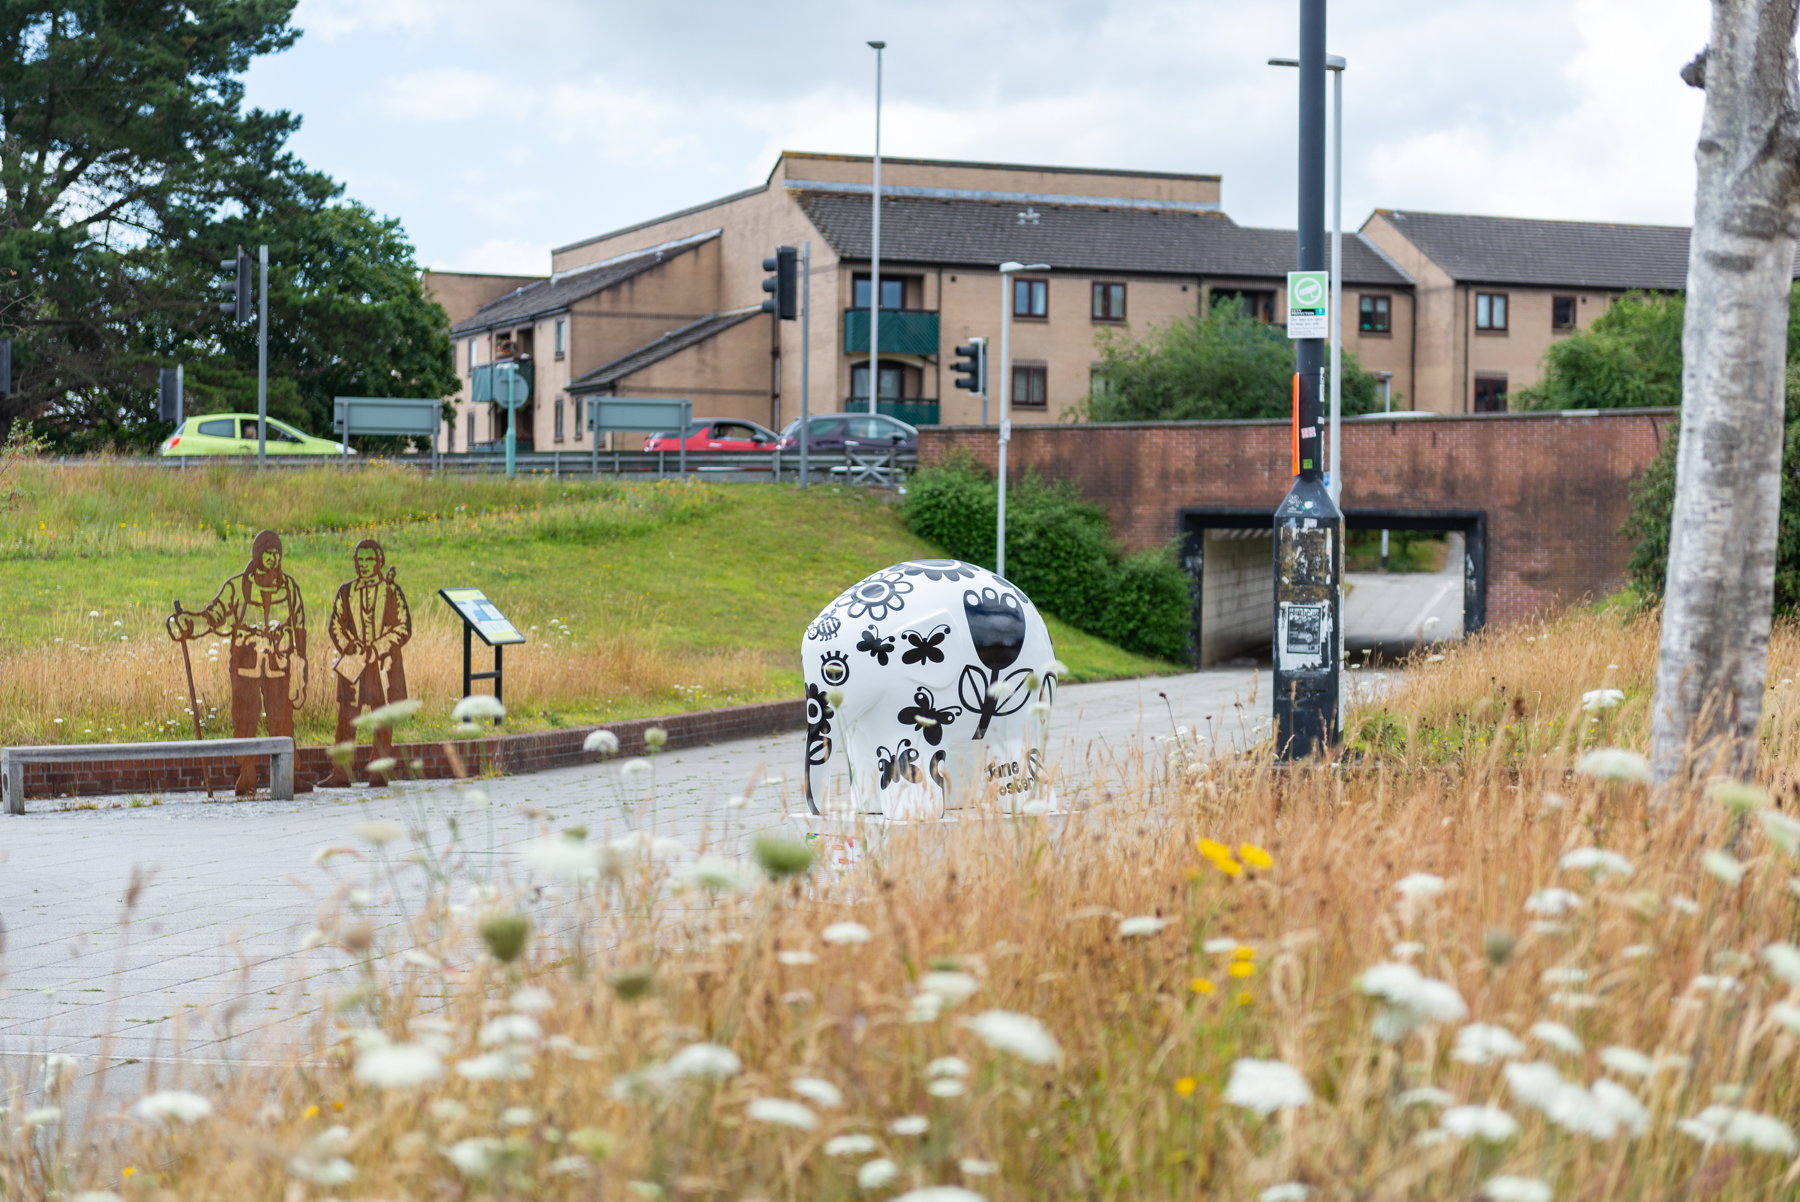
column 1545, row 1021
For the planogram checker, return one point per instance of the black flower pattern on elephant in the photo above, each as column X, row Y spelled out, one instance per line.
column 882, row 594
column 939, row 569
column 926, row 648
column 900, row 764
column 924, row 716
column 818, row 725
column 876, row 644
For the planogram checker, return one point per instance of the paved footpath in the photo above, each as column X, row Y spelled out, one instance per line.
column 212, row 957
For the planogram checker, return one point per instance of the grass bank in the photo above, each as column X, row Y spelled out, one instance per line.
column 639, row 599
column 1450, row 969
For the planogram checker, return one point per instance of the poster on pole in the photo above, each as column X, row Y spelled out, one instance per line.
column 1309, row 295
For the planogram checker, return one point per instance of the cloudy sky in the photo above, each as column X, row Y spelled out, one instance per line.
column 497, row 130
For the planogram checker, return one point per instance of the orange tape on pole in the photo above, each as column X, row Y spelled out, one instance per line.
column 1296, row 425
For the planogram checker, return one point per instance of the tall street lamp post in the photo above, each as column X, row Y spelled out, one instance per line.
column 1007, row 270
column 875, row 249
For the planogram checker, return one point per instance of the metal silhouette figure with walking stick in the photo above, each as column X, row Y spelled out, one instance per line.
column 187, row 661
column 370, row 624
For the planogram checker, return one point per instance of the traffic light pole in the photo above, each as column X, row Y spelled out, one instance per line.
column 981, row 378
column 875, row 249
column 805, row 356
column 1309, row 528
column 262, row 364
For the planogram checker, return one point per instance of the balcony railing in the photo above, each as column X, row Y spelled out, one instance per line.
column 903, row 331
column 914, row 412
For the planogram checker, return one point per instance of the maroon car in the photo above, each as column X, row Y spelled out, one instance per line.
column 710, row 434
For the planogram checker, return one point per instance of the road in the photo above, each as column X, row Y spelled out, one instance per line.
column 211, row 960
column 1394, row 612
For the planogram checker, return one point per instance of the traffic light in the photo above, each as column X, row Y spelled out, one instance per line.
column 237, row 287
column 785, row 304
column 971, row 365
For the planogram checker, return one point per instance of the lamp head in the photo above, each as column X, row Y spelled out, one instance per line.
column 879, row 45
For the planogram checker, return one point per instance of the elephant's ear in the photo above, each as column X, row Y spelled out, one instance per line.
column 1021, row 696
column 972, row 687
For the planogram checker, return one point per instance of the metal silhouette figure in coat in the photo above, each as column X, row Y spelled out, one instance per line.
column 371, row 623
column 261, row 612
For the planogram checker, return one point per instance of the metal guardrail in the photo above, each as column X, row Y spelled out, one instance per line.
column 877, row 467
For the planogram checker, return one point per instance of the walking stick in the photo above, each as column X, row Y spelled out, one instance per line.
column 193, row 700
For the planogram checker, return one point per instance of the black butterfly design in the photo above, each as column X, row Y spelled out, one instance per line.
column 926, row 648
column 902, row 763
column 876, row 645
column 924, row 716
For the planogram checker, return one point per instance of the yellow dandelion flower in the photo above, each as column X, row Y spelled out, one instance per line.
column 1201, row 985
column 1245, row 998
column 1186, row 1086
column 1213, row 851
column 1243, row 951
column 337, row 1105
column 1229, row 866
column 1241, row 969
column 129, row 1170
column 312, row 1112
column 1255, row 856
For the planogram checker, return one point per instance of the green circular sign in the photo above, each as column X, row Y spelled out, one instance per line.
column 1309, row 293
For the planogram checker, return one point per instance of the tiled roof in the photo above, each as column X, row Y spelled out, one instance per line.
column 674, row 341
column 1073, row 237
column 566, row 287
column 1571, row 254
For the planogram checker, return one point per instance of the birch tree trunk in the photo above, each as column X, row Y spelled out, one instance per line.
column 1715, row 627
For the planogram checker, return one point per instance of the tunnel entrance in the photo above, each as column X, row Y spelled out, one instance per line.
column 1229, row 551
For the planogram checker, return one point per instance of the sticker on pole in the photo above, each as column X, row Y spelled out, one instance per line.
column 1309, row 295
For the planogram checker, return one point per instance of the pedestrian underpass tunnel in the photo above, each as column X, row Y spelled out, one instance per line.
column 1230, row 553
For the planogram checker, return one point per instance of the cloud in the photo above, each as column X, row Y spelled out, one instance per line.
column 503, row 256
column 449, row 94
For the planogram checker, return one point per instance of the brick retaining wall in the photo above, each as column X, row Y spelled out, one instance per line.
column 508, row 754
column 1555, row 486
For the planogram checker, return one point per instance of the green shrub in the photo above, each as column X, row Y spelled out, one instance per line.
column 1060, row 550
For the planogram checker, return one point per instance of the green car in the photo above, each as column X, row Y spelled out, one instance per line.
column 235, row 434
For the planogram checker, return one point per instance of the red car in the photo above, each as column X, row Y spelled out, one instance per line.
column 716, row 435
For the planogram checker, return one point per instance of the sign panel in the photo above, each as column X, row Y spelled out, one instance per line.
column 387, row 415
column 1309, row 300
column 501, row 384
column 633, row 415
column 482, row 615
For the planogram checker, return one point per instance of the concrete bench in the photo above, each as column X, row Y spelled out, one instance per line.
column 13, row 760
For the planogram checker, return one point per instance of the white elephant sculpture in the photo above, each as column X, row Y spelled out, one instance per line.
column 922, row 676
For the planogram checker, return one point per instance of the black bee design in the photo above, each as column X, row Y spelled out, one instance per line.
column 924, row 716
column 823, row 628
column 876, row 645
column 926, row 648
column 902, row 763
column 834, row 666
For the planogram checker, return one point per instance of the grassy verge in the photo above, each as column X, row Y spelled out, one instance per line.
column 639, row 599
column 1452, row 975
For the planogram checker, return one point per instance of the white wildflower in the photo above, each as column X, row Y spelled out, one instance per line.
column 1614, row 763
column 43, row 1116
column 946, row 1087
column 796, row 959
column 1684, row 905
column 1596, row 862
column 1406, row 949
column 1418, row 886
column 1219, row 947
column 172, row 1105
column 1787, row 1015
column 1141, row 925
column 1412, row 1000
column 850, row 1145
column 705, row 1061
column 947, row 1066
column 1557, row 1036
column 1287, row 1191
column 399, row 1066
column 1636, row 951
column 603, row 741
column 565, row 858
column 1628, row 1062
column 474, row 1157
column 1622, row 1105
column 818, row 1091
column 1563, row 976
column 1783, row 831
column 1516, row 1189
column 951, row 988
column 1482, row 1043
column 1573, row 1001
column 782, row 1113
column 1488, row 1124
column 977, row 1168
column 379, row 831
column 507, row 1064
column 1595, row 700
column 940, row 1193
column 876, row 1173
column 912, row 1124
column 1696, row 1129
column 518, row 1116
column 1266, row 1086
column 448, row 1110
column 1564, row 1103
column 1723, row 865
column 1426, row 1095
column 569, row 1166
column 510, row 1028
column 533, row 999
column 1709, row 983
column 1020, row 1034
column 320, row 1162
column 477, row 708
column 1749, row 1129
column 632, row 769
column 715, row 874
column 924, row 1008
column 1783, row 960
column 1552, row 902
column 843, row 933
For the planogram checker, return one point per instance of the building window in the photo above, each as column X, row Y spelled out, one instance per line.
column 1109, row 302
column 562, row 336
column 1031, row 298
column 450, row 435
column 893, row 293
column 1562, row 312
column 575, row 403
column 1260, row 305
column 559, row 419
column 1490, row 394
column 1375, row 315
column 469, row 439
column 1028, row 387
column 1490, row 310
column 893, row 379
column 472, row 363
